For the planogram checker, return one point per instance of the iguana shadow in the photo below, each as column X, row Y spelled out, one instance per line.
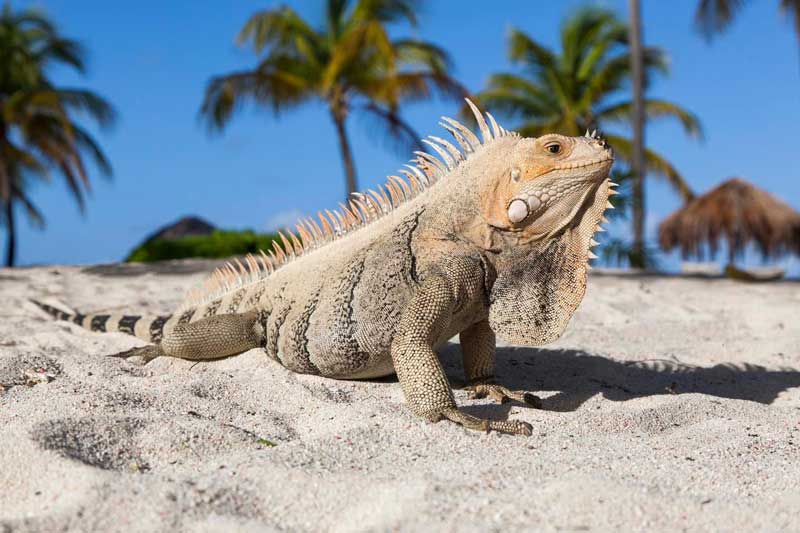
column 576, row 376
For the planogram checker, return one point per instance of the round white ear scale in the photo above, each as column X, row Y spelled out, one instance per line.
column 534, row 203
column 517, row 211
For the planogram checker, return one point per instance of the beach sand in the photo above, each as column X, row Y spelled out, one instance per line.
column 670, row 403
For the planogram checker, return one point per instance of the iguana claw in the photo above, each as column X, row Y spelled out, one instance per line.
column 147, row 353
column 514, row 427
column 503, row 394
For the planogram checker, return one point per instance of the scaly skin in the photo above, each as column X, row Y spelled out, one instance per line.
column 495, row 244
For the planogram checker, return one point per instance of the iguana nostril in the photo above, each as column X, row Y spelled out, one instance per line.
column 517, row 211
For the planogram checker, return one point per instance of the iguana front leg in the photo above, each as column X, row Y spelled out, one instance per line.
column 421, row 375
column 478, row 347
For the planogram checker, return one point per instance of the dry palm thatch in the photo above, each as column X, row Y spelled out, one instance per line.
column 738, row 212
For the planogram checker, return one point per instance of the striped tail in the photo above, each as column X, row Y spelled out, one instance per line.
column 148, row 328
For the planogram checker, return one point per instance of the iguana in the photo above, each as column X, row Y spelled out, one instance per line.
column 491, row 239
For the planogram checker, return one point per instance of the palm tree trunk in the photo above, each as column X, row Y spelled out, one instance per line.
column 637, row 159
column 11, row 244
column 347, row 154
column 731, row 252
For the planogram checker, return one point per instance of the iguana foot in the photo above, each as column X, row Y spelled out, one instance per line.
column 147, row 353
column 514, row 427
column 503, row 394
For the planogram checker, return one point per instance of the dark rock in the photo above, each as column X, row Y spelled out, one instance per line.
column 184, row 227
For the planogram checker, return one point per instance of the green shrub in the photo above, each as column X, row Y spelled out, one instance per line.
column 217, row 245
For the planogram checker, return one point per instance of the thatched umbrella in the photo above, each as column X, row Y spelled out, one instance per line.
column 739, row 213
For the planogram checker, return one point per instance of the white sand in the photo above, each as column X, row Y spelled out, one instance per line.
column 670, row 404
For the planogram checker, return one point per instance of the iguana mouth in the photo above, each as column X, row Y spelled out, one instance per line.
column 579, row 164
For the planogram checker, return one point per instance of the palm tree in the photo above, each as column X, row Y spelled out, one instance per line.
column 582, row 86
column 714, row 16
column 637, row 118
column 349, row 62
column 37, row 130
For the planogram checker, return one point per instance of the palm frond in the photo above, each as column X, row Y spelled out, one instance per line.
column 410, row 87
column 714, row 16
column 31, row 17
column 515, row 98
column 281, row 27
column 423, row 53
column 595, row 55
column 24, row 161
column 532, row 55
column 654, row 109
column 398, row 133
column 335, row 17
column 386, row 11
column 65, row 51
column 54, row 140
column 88, row 102
column 587, row 29
column 86, row 143
column 35, row 217
column 656, row 164
column 791, row 8
column 616, row 72
column 280, row 89
column 349, row 53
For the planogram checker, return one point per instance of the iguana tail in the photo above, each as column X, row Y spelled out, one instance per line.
column 149, row 328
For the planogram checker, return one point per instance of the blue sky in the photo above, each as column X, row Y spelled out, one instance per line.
column 152, row 59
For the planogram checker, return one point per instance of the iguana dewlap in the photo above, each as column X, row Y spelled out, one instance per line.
column 493, row 238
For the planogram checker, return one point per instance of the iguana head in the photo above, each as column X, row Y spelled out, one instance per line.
column 546, row 186
column 541, row 207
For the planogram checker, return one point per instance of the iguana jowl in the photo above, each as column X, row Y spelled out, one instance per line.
column 490, row 239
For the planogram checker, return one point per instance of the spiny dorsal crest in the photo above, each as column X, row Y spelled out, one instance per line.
column 424, row 171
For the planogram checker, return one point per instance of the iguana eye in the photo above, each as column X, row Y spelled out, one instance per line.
column 553, row 148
